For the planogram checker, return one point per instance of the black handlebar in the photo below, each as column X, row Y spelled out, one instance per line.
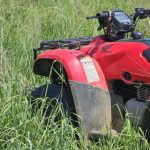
column 92, row 17
column 99, row 15
column 141, row 13
column 117, row 22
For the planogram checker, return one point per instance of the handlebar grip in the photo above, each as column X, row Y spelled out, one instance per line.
column 92, row 17
column 99, row 15
column 141, row 12
column 147, row 11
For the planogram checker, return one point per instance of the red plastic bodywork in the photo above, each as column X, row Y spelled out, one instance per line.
column 111, row 60
column 70, row 59
column 116, row 58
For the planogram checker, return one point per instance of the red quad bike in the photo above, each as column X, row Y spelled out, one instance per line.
column 97, row 78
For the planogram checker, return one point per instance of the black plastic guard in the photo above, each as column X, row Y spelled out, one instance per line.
column 93, row 105
column 146, row 121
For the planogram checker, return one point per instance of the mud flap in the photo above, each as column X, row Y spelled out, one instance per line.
column 93, row 105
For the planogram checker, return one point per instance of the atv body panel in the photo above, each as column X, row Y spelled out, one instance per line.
column 121, row 59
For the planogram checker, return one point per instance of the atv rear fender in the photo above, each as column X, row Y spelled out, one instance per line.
column 88, row 87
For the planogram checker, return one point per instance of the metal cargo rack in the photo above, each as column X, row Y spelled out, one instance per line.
column 73, row 43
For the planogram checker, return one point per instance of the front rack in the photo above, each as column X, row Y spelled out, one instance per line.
column 73, row 43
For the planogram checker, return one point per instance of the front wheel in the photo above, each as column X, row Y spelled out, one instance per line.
column 54, row 94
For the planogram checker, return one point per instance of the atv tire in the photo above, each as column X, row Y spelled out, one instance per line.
column 55, row 94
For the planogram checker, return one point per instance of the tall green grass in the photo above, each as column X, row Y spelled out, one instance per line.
column 23, row 24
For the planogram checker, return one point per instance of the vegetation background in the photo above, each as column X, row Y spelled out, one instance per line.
column 23, row 24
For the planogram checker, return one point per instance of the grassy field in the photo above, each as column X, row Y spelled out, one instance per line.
column 23, row 24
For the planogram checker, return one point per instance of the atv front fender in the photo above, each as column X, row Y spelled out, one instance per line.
column 78, row 66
